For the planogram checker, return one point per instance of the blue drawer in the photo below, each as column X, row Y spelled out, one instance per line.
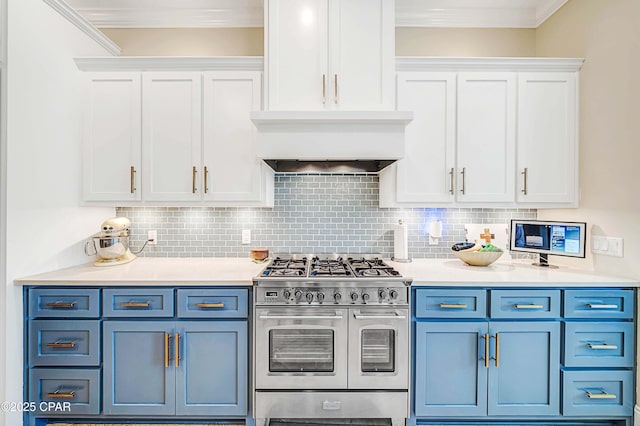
column 598, row 304
column 80, row 389
column 213, row 303
column 602, row 344
column 64, row 303
column 435, row 303
column 525, row 304
column 597, row 393
column 64, row 342
column 143, row 302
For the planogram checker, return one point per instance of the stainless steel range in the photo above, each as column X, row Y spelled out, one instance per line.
column 331, row 339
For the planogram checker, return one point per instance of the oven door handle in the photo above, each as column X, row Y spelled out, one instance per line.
column 394, row 315
column 299, row 317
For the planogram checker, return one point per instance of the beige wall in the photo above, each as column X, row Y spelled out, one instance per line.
column 465, row 42
column 607, row 35
column 188, row 41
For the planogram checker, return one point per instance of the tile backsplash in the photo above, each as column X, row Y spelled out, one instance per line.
column 312, row 213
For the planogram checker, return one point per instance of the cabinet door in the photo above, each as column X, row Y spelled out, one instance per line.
column 231, row 170
column 451, row 374
column 425, row 174
column 138, row 377
column 297, row 54
column 112, row 137
column 171, row 136
column 486, row 137
column 547, row 142
column 524, row 380
column 211, row 377
column 362, row 54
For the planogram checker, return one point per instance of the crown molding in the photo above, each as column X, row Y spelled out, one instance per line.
column 546, row 10
column 464, row 18
column 425, row 63
column 84, row 25
column 168, row 63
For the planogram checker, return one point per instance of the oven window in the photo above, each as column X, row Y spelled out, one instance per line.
column 378, row 351
column 301, row 351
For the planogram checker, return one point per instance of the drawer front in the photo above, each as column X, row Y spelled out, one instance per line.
column 64, row 342
column 68, row 391
column 597, row 393
column 213, row 303
column 143, row 302
column 434, row 303
column 598, row 304
column 590, row 344
column 525, row 304
column 64, row 303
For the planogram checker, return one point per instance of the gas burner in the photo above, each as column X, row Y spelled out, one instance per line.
column 289, row 263
column 377, row 272
column 284, row 272
column 330, row 270
column 366, row 263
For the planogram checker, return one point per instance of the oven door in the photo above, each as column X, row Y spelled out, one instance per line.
column 378, row 349
column 301, row 348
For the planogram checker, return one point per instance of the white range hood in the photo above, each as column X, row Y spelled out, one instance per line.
column 330, row 141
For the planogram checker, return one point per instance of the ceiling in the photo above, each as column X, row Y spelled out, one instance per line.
column 249, row 13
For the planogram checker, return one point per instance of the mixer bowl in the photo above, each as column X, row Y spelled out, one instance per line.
column 111, row 248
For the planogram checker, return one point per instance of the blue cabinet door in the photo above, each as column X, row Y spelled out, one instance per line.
column 451, row 374
column 138, row 377
column 211, row 376
column 524, row 380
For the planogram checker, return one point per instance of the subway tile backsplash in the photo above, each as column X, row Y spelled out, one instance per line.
column 312, row 214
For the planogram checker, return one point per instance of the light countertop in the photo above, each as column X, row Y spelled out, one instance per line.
column 219, row 271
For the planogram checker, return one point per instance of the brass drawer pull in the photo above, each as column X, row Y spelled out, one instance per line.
column 167, row 336
column 61, row 345
column 194, row 172
column 451, row 181
column 603, row 346
column 486, row 350
column 61, row 305
column 453, row 306
column 602, row 395
column 210, row 305
column 601, row 306
column 61, row 395
column 532, row 306
column 135, row 304
column 133, row 179
column 177, row 352
column 497, row 358
column 324, row 89
column 335, row 89
column 206, row 179
column 524, row 174
column 463, row 172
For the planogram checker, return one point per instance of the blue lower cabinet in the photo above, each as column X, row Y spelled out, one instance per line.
column 597, row 393
column 65, row 391
column 450, row 371
column 524, row 377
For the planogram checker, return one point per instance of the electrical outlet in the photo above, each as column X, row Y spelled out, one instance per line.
column 246, row 236
column 152, row 237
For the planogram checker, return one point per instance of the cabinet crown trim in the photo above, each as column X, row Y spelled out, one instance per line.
column 152, row 63
column 428, row 63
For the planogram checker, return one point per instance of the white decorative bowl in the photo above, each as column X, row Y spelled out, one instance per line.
column 478, row 258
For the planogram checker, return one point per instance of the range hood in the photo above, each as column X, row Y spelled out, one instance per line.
column 330, row 141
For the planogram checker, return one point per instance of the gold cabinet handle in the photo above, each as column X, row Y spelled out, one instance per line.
column 497, row 357
column 61, row 395
column 601, row 395
column 603, row 346
column 133, row 179
column 135, row 304
column 206, row 177
column 194, row 172
column 61, row 345
column 177, row 349
column 61, row 305
column 601, row 306
column 462, row 186
column 531, row 306
column 486, row 350
column 335, row 89
column 524, row 178
column 210, row 305
column 453, row 305
column 167, row 337
column 451, row 181
column 324, row 89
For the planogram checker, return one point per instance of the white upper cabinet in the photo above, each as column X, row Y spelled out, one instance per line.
column 231, row 170
column 112, row 137
column 486, row 136
column 171, row 136
column 547, row 138
column 330, row 54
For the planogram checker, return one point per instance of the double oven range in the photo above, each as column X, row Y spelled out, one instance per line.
column 331, row 339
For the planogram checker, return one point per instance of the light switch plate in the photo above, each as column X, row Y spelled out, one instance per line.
column 609, row 246
column 246, row 236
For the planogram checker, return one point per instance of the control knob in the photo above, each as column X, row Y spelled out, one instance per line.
column 382, row 294
column 337, row 297
column 354, row 296
column 320, row 297
column 286, row 294
column 309, row 297
column 393, row 294
column 365, row 297
column 298, row 294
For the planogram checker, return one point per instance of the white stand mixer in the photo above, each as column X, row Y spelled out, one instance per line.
column 111, row 244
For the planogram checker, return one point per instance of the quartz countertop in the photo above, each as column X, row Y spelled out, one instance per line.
column 223, row 271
